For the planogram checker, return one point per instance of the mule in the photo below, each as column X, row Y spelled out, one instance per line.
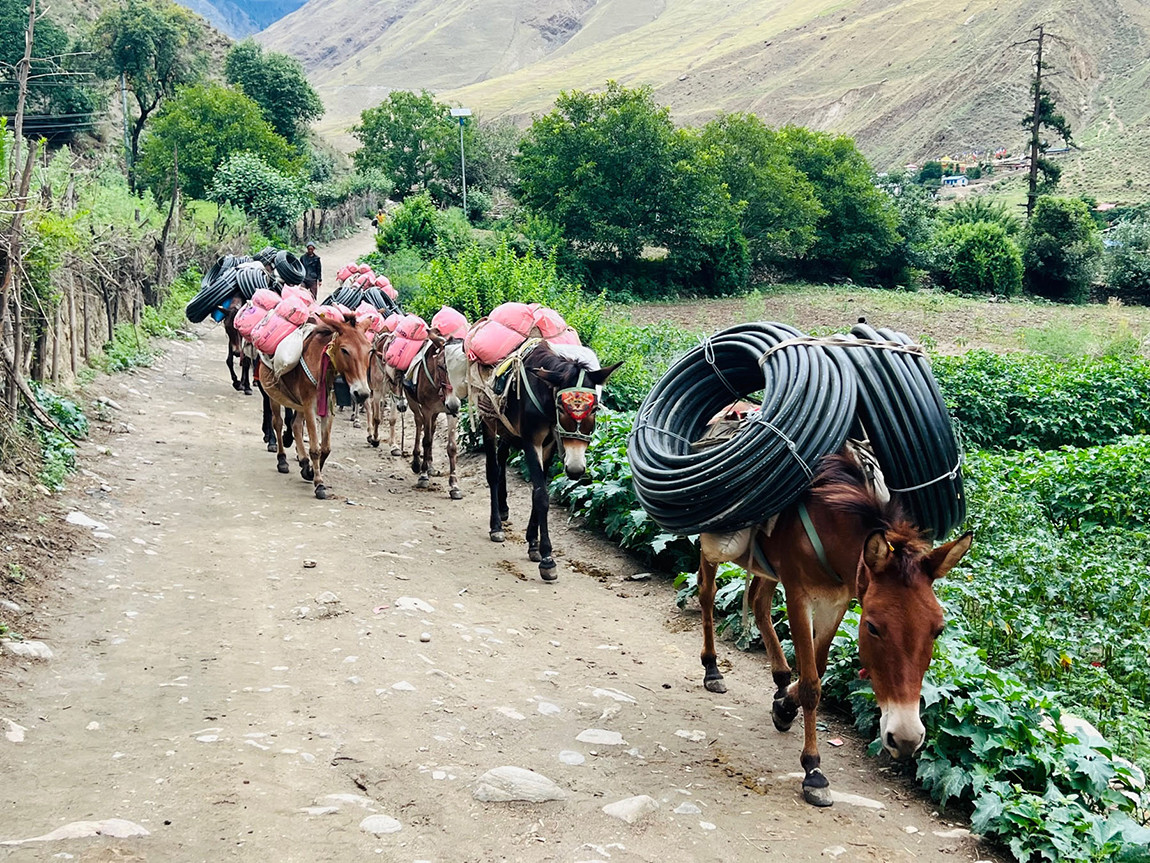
column 387, row 395
column 334, row 346
column 548, row 405
column 230, row 308
column 430, row 393
column 838, row 543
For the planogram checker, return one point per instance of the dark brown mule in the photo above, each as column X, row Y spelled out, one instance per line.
column 430, row 393
column 230, row 309
column 549, row 404
column 836, row 544
column 332, row 347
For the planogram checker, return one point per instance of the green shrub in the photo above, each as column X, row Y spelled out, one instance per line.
column 1061, row 250
column 1128, row 262
column 128, row 348
column 1022, row 401
column 418, row 224
column 167, row 320
column 646, row 352
column 978, row 258
column 274, row 199
column 57, row 452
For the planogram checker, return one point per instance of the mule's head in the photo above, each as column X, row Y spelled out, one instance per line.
column 901, row 618
column 436, row 359
column 350, row 354
column 577, row 391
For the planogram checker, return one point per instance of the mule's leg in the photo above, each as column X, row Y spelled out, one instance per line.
column 246, row 372
column 232, row 368
column 808, row 690
column 761, row 598
column 712, row 677
column 504, row 452
column 314, row 452
column 277, row 424
column 289, row 427
column 270, row 437
column 427, row 422
column 452, row 452
column 540, row 503
column 374, row 409
column 393, row 416
column 301, row 449
column 495, row 527
column 324, row 438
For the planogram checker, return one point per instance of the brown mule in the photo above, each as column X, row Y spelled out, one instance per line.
column 839, row 542
column 386, row 395
column 333, row 347
column 430, row 393
column 231, row 308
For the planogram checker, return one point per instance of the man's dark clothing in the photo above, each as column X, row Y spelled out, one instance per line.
column 312, row 271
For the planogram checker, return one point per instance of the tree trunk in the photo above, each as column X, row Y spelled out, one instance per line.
column 72, row 325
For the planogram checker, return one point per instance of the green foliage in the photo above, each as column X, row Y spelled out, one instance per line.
column 406, row 137
column 481, row 279
column 277, row 83
column 1022, row 401
column 418, row 224
column 646, row 352
column 931, row 170
column 204, row 125
column 859, row 229
column 978, row 258
column 276, row 201
column 59, row 104
column 167, row 321
column 57, row 452
column 128, row 348
column 1128, row 261
column 1061, row 250
column 969, row 211
column 913, row 253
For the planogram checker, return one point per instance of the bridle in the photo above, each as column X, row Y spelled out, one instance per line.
column 578, row 402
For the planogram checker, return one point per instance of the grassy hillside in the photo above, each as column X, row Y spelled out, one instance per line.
column 910, row 79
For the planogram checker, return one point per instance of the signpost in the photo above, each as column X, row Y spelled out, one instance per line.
column 462, row 114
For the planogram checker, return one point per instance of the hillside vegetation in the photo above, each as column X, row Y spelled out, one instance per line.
column 908, row 80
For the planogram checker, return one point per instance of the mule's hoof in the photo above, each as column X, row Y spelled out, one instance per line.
column 247, row 391
column 396, row 451
column 423, row 482
column 306, row 472
column 271, row 446
column 820, row 797
column 321, row 492
column 497, row 536
column 456, row 494
column 373, row 441
column 547, row 570
column 355, row 424
column 716, row 685
column 533, row 554
column 282, row 466
column 505, row 517
column 783, row 714
column 236, row 385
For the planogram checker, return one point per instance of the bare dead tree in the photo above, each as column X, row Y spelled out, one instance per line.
column 1044, row 113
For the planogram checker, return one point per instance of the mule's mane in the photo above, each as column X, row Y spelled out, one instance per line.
column 840, row 485
column 545, row 359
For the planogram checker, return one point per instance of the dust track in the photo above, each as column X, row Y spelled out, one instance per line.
column 190, row 692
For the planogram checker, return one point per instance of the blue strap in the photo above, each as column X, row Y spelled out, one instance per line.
column 816, row 543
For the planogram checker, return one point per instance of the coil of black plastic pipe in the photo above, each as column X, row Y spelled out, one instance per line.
column 808, row 405
column 909, row 428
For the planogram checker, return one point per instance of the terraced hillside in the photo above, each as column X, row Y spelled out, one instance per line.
column 910, row 79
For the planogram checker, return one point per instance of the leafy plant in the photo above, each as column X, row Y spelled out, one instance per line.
column 978, row 258
column 57, row 452
column 1061, row 250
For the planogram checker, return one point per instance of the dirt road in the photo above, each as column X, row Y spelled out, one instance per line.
column 211, row 687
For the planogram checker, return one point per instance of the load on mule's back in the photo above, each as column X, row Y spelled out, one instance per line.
column 783, row 492
column 539, row 395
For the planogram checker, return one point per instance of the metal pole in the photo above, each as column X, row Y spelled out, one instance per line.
column 127, row 140
column 462, row 165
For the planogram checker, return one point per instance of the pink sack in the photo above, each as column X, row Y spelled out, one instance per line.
column 402, row 351
column 382, row 282
column 270, row 332
column 567, row 337
column 266, row 299
column 390, row 291
column 302, row 294
column 549, row 323
column 364, row 268
column 293, row 310
column 328, row 312
column 490, row 341
column 412, row 327
column 363, row 282
column 365, row 308
column 343, row 273
column 450, row 323
column 515, row 316
column 392, row 321
column 248, row 317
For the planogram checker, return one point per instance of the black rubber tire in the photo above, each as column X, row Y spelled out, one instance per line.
column 289, row 268
column 267, row 255
column 250, row 279
column 211, row 297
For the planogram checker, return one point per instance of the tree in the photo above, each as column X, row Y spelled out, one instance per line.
column 61, row 99
column 779, row 207
column 972, row 210
column 1128, row 261
column 157, row 46
column 979, row 258
column 858, row 230
column 1043, row 115
column 930, row 173
column 277, row 83
column 275, row 200
column 602, row 166
column 1060, row 250
column 207, row 123
column 405, row 137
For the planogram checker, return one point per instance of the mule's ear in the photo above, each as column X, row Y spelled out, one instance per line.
column 943, row 559
column 436, row 337
column 599, row 376
column 876, row 551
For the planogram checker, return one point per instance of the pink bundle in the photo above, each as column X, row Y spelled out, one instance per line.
column 497, row 335
column 390, row 291
column 301, row 294
column 289, row 316
column 364, row 268
column 549, row 322
column 249, row 316
column 266, row 299
column 344, row 272
column 519, row 317
column 392, row 321
column 368, row 312
column 410, row 336
column 450, row 323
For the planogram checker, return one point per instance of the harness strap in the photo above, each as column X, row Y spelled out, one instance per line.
column 525, row 384
column 816, row 543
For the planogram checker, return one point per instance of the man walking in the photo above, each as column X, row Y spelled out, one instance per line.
column 312, row 270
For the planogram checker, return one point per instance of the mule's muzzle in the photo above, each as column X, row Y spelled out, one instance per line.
column 901, row 730
column 451, row 405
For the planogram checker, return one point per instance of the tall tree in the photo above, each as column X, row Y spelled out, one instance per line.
column 405, row 137
column 277, row 83
column 156, row 46
column 1043, row 115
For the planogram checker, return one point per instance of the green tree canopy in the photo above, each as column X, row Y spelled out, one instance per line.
column 980, row 258
column 275, row 200
column 277, row 83
column 61, row 100
column 980, row 209
column 602, row 166
column 204, row 125
column 158, row 47
column 780, row 207
column 858, row 231
column 1061, row 250
column 406, row 137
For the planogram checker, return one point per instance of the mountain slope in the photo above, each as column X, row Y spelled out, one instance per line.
column 910, row 79
column 239, row 18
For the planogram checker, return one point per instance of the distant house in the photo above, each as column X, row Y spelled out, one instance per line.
column 955, row 180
